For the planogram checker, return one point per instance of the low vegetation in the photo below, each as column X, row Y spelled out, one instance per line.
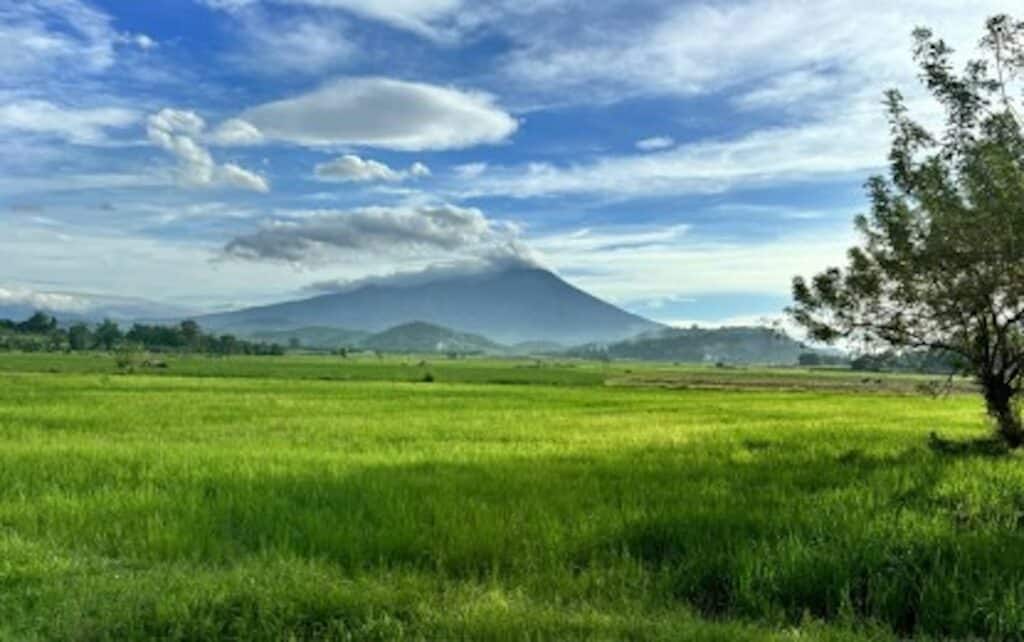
column 249, row 498
column 43, row 333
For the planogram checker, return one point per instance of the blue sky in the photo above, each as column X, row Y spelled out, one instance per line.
column 682, row 159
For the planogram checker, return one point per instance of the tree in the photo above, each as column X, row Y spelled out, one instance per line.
column 38, row 323
column 941, row 264
column 191, row 333
column 79, row 337
column 108, row 335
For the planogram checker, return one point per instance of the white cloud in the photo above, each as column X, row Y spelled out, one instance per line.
column 419, row 170
column 655, row 143
column 236, row 132
column 384, row 113
column 470, row 170
column 353, row 169
column 625, row 264
column 136, row 266
column 79, row 126
column 140, row 40
column 411, row 15
column 819, row 69
column 39, row 35
column 176, row 131
column 694, row 48
column 817, row 149
column 432, row 273
column 231, row 174
column 21, row 296
column 319, row 236
column 59, row 37
column 793, row 89
column 292, row 44
column 144, row 42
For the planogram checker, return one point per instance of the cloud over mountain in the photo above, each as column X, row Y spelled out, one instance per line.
column 318, row 236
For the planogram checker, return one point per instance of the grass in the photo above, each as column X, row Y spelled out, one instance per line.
column 308, row 499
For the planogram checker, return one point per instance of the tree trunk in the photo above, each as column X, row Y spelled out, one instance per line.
column 999, row 400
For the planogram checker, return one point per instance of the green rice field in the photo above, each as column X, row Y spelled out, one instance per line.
column 316, row 498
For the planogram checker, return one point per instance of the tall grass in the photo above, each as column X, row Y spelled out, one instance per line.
column 269, row 508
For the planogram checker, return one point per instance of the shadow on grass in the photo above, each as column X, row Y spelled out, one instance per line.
column 979, row 447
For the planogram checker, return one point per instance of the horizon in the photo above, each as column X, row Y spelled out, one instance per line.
column 218, row 154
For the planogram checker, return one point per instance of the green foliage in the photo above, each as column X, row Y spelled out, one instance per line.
column 702, row 345
column 38, row 323
column 80, row 337
column 41, row 332
column 260, row 503
column 941, row 266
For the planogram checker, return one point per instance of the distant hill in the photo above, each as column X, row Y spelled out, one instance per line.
column 702, row 345
column 427, row 337
column 316, row 337
column 509, row 306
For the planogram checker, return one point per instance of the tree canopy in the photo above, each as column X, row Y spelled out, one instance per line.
column 941, row 264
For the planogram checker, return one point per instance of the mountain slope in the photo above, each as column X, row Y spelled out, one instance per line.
column 508, row 306
column 311, row 337
column 426, row 337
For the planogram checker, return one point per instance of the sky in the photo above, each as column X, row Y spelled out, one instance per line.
column 681, row 159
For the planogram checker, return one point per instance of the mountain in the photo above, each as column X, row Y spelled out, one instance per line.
column 713, row 345
column 509, row 306
column 426, row 337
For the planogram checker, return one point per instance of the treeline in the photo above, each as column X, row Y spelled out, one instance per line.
column 919, row 361
column 43, row 333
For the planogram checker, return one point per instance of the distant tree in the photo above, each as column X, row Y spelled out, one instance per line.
column 108, row 335
column 38, row 323
column 294, row 343
column 809, row 359
column 227, row 344
column 79, row 337
column 191, row 334
column 941, row 265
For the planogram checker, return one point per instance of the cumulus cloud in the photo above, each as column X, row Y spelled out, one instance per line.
column 384, row 113
column 177, row 131
column 428, row 230
column 353, row 169
column 236, row 132
column 655, row 143
column 79, row 126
